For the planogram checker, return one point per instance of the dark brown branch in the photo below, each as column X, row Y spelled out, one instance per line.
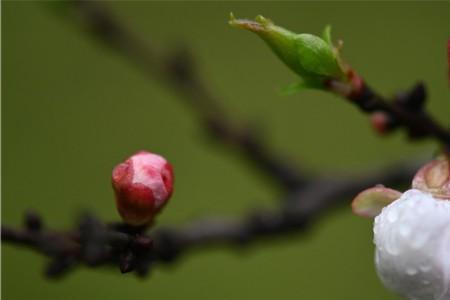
column 406, row 110
column 96, row 244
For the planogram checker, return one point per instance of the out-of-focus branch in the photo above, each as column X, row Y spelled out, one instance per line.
column 177, row 71
column 96, row 244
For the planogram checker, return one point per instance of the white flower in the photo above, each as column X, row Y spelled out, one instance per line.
column 412, row 238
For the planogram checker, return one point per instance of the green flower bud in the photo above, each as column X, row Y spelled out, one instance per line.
column 313, row 58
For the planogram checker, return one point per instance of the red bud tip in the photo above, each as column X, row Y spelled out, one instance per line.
column 380, row 122
column 356, row 82
column 143, row 184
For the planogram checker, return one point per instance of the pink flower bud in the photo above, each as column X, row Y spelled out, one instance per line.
column 143, row 184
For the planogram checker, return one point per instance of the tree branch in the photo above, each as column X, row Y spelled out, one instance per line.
column 406, row 110
column 96, row 244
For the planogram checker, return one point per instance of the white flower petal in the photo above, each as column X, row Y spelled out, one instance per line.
column 412, row 238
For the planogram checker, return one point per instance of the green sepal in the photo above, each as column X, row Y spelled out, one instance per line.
column 326, row 35
column 316, row 57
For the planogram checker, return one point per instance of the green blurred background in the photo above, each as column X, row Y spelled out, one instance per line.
column 72, row 110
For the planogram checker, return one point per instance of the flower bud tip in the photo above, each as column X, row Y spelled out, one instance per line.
column 255, row 26
column 380, row 122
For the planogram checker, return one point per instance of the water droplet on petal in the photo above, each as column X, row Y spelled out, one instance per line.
column 404, row 230
column 411, row 271
column 377, row 258
column 392, row 249
column 392, row 216
column 412, row 203
column 422, row 209
column 425, row 268
column 419, row 240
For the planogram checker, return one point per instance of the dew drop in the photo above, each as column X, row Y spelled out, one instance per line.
column 412, row 203
column 377, row 258
column 405, row 230
column 392, row 249
column 392, row 216
column 411, row 271
column 419, row 240
column 422, row 209
column 425, row 268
